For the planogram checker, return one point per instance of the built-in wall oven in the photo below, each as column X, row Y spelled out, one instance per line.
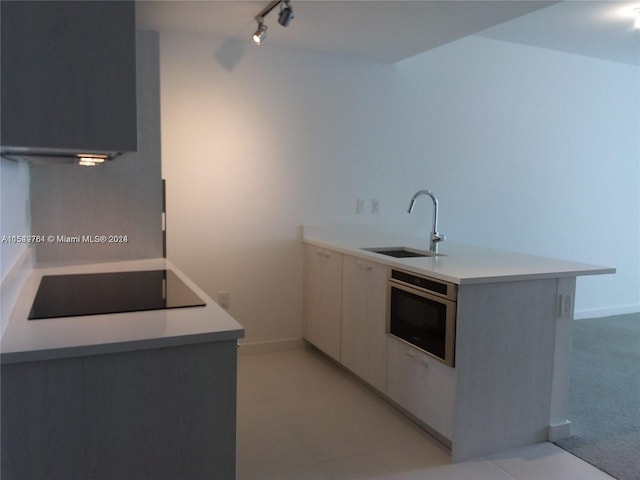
column 422, row 312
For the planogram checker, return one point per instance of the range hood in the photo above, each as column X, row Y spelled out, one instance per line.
column 57, row 155
column 67, row 80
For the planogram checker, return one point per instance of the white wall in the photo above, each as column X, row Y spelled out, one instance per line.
column 532, row 150
column 527, row 149
column 256, row 141
column 14, row 211
column 15, row 258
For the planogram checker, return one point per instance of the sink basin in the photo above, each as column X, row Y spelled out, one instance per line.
column 400, row 252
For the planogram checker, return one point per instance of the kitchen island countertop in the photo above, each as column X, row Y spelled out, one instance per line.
column 456, row 263
column 31, row 340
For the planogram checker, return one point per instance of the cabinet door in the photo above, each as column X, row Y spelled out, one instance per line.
column 146, row 414
column 43, row 429
column 68, row 75
column 364, row 344
column 425, row 387
column 323, row 294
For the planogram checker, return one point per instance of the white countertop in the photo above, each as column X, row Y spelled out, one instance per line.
column 29, row 340
column 456, row 263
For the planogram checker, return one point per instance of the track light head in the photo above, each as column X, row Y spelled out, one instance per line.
column 284, row 18
column 286, row 14
column 260, row 34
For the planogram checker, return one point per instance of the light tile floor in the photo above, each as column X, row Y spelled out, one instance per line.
column 301, row 417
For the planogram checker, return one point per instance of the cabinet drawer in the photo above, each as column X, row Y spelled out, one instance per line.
column 421, row 385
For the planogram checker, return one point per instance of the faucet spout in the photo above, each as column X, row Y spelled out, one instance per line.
column 435, row 237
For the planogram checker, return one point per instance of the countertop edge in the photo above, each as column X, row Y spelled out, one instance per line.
column 118, row 347
column 556, row 268
column 22, row 341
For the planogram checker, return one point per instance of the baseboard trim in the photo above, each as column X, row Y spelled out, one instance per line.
column 606, row 312
column 559, row 431
column 270, row 346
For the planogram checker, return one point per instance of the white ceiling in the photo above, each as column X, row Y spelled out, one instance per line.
column 389, row 31
column 601, row 29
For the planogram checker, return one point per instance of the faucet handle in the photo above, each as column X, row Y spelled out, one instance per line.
column 438, row 237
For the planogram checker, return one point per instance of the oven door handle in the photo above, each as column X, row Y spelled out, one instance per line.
column 435, row 297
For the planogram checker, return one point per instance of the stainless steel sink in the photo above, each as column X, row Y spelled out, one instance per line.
column 400, row 252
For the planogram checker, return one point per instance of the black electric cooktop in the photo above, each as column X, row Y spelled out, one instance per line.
column 117, row 292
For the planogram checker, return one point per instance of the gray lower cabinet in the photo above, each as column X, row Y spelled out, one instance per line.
column 68, row 75
column 165, row 413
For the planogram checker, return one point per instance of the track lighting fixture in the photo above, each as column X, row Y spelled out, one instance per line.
column 260, row 34
column 286, row 14
column 284, row 18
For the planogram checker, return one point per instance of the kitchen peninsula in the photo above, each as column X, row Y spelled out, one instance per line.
column 144, row 394
column 509, row 386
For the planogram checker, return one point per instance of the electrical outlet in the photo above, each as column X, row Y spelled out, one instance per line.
column 359, row 206
column 566, row 304
column 375, row 206
column 223, row 299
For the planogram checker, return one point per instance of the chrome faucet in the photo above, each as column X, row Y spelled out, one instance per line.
column 435, row 236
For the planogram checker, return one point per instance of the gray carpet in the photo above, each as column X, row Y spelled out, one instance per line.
column 604, row 399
